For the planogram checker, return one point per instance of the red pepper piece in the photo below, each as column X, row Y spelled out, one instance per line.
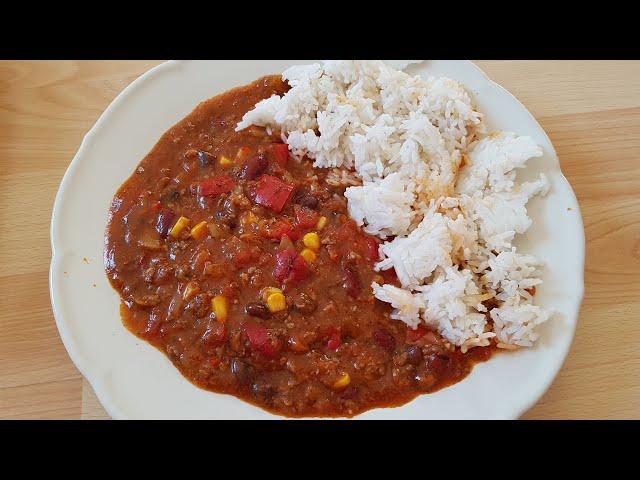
column 216, row 186
column 273, row 193
column 284, row 263
column 258, row 336
column 305, row 217
column 299, row 270
column 290, row 267
column 256, row 333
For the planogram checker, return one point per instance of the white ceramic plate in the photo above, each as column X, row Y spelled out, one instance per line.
column 134, row 380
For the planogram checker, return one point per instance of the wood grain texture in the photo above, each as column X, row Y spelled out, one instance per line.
column 591, row 111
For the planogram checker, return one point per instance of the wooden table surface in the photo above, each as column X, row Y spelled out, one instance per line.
column 590, row 109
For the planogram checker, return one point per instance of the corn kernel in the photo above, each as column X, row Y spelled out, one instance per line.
column 276, row 302
column 269, row 291
column 322, row 221
column 342, row 382
column 180, row 225
column 220, row 307
column 312, row 240
column 190, row 290
column 200, row 230
column 309, row 255
column 225, row 161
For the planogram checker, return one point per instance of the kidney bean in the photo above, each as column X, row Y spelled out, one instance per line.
column 384, row 339
column 305, row 199
column 351, row 283
column 242, row 371
column 205, row 158
column 164, row 222
column 254, row 167
column 256, row 309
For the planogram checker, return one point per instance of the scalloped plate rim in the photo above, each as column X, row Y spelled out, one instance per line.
column 96, row 378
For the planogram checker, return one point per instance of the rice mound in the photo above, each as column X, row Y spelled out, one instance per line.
column 431, row 183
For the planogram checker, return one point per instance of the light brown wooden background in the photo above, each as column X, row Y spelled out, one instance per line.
column 591, row 111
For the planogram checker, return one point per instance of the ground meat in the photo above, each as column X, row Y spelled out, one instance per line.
column 199, row 305
column 304, row 303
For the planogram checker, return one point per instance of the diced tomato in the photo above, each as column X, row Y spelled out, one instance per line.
column 276, row 230
column 299, row 270
column 281, row 228
column 295, row 233
column 216, row 186
column 347, row 231
column 284, row 263
column 335, row 340
column 280, row 152
column 417, row 334
column 372, row 249
column 273, row 193
column 305, row 217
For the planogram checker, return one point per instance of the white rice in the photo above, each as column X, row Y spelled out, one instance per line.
column 449, row 234
column 384, row 207
column 417, row 255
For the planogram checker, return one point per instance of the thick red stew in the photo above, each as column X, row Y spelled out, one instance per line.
column 242, row 265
